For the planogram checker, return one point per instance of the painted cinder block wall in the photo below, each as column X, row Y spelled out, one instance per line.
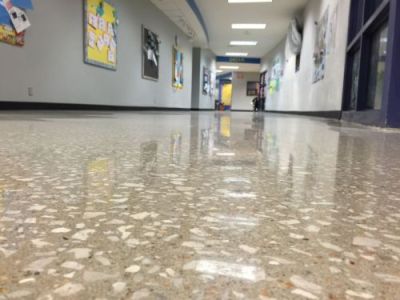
column 298, row 92
column 52, row 60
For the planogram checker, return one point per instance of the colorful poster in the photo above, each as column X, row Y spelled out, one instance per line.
column 321, row 48
column 10, row 36
column 276, row 74
column 177, row 63
column 14, row 21
column 151, row 55
column 101, row 42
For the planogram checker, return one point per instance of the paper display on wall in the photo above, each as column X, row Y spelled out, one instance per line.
column 321, row 48
column 8, row 35
column 333, row 29
column 275, row 76
column 14, row 21
column 101, row 24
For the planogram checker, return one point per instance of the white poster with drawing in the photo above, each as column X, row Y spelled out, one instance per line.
column 18, row 17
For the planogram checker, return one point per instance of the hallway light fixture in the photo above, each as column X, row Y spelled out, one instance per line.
column 241, row 54
column 249, row 26
column 249, row 1
column 219, row 71
column 229, row 67
column 244, row 43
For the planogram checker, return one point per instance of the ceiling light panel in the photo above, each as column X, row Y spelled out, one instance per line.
column 249, row 1
column 249, row 26
column 244, row 43
column 241, row 54
column 229, row 67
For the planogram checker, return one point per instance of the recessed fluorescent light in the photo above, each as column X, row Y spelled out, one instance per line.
column 244, row 43
column 249, row 1
column 219, row 71
column 236, row 54
column 229, row 67
column 249, row 26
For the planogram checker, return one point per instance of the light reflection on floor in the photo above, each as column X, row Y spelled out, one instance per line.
column 181, row 205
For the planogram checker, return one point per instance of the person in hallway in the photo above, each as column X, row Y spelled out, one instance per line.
column 255, row 103
column 262, row 104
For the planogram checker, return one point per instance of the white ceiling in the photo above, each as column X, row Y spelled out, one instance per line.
column 184, row 17
column 219, row 17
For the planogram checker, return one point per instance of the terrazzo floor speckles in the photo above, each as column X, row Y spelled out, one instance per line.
column 152, row 205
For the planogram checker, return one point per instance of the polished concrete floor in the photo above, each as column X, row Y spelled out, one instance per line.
column 179, row 205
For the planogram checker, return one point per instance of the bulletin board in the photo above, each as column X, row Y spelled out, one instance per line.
column 101, row 40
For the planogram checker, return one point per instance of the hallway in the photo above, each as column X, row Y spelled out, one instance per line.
column 197, row 205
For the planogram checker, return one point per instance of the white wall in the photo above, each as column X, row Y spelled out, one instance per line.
column 52, row 60
column 203, row 58
column 298, row 92
column 240, row 100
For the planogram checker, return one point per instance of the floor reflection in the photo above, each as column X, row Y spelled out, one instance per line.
column 201, row 205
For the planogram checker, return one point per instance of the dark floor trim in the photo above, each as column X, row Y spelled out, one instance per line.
column 320, row 114
column 367, row 117
column 242, row 110
column 6, row 105
column 202, row 109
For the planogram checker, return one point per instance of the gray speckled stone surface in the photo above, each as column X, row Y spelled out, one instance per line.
column 179, row 205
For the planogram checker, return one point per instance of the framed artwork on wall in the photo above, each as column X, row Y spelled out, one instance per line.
column 206, row 81
column 177, row 72
column 252, row 88
column 262, row 85
column 101, row 36
column 150, row 55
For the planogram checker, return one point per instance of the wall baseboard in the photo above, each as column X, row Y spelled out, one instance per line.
column 321, row 114
column 9, row 105
column 202, row 109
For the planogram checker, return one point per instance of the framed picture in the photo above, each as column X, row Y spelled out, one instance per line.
column 206, row 81
column 150, row 55
column 252, row 88
column 177, row 72
column 262, row 85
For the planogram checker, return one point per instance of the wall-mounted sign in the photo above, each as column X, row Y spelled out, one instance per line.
column 239, row 60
